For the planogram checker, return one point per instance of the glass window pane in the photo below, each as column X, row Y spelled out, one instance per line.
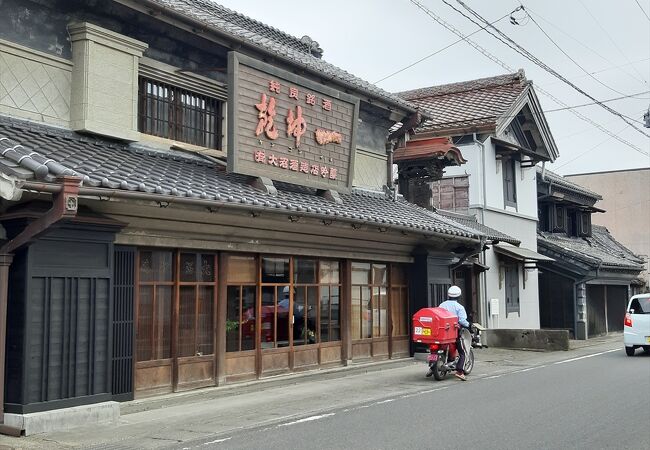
column 335, row 317
column 162, row 322
column 304, row 271
column 380, row 313
column 299, row 303
column 366, row 311
column 311, row 316
column 249, row 297
column 205, row 332
column 399, row 308
column 283, row 317
column 144, row 343
column 268, row 316
column 188, row 267
column 275, row 270
column 329, row 272
column 146, row 266
column 186, row 320
column 163, row 266
column 241, row 269
column 356, row 312
column 207, row 268
column 232, row 318
column 360, row 273
column 379, row 274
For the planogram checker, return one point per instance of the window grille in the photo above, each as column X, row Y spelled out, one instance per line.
column 170, row 112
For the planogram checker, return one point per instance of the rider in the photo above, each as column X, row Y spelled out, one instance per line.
column 452, row 305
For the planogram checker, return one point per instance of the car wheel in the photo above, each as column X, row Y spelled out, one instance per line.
column 646, row 348
column 629, row 351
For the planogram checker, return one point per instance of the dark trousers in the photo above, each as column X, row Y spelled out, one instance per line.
column 460, row 348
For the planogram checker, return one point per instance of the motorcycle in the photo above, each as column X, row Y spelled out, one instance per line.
column 443, row 358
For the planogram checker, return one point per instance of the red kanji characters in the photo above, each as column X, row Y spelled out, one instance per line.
column 333, row 171
column 310, row 99
column 296, row 126
column 327, row 104
column 293, row 165
column 304, row 167
column 274, row 86
column 315, row 169
column 259, row 157
column 273, row 160
column 324, row 171
column 293, row 93
column 265, row 118
column 284, row 163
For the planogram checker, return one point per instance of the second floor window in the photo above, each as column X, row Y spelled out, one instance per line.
column 509, row 183
column 174, row 113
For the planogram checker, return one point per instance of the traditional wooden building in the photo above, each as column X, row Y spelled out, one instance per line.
column 140, row 257
column 586, row 287
column 498, row 125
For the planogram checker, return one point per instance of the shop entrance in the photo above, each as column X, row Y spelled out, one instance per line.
column 176, row 304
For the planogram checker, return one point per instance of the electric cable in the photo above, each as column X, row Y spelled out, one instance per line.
column 498, row 61
column 522, row 51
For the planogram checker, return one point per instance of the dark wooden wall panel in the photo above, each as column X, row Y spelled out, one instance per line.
column 123, row 327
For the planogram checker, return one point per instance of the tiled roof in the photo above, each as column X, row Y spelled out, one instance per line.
column 600, row 248
column 437, row 147
column 470, row 221
column 274, row 41
column 475, row 104
column 559, row 180
column 34, row 151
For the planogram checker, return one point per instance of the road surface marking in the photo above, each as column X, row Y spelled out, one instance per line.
column 306, row 419
column 385, row 401
column 530, row 368
column 216, row 441
column 587, row 356
column 494, row 376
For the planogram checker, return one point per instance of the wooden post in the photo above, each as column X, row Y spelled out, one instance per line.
column 220, row 325
column 5, row 262
column 346, row 313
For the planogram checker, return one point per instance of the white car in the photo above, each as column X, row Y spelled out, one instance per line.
column 637, row 324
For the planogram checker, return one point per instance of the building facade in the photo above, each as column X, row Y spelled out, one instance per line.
column 192, row 198
column 627, row 209
column 498, row 126
column 586, row 285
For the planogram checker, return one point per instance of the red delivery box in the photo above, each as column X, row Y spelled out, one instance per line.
column 435, row 326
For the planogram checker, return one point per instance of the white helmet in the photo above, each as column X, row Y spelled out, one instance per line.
column 454, row 292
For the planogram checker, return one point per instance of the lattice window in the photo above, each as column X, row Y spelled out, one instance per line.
column 171, row 112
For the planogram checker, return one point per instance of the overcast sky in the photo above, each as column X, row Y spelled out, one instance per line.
column 609, row 39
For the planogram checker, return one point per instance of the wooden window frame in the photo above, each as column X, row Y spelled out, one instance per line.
column 168, row 118
column 509, row 183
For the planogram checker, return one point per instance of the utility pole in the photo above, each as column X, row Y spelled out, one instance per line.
column 646, row 118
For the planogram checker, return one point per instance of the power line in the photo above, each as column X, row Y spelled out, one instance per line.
column 589, row 149
column 522, row 51
column 641, row 8
column 493, row 58
column 565, row 108
column 611, row 40
column 567, row 55
column 598, row 54
column 437, row 51
column 605, row 69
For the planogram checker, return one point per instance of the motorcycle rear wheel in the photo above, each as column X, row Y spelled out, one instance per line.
column 439, row 369
column 469, row 362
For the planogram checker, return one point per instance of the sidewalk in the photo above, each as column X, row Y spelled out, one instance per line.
column 184, row 417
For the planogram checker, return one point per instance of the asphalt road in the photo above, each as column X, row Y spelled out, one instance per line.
column 597, row 402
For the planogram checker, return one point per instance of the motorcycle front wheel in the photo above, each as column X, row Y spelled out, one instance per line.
column 439, row 369
column 469, row 362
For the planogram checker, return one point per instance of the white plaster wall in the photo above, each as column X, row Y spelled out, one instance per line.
column 528, row 316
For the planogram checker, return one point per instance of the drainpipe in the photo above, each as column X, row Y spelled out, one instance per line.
column 482, row 257
column 64, row 207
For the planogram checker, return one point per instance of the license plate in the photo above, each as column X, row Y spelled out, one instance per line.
column 422, row 331
column 432, row 357
column 647, row 339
